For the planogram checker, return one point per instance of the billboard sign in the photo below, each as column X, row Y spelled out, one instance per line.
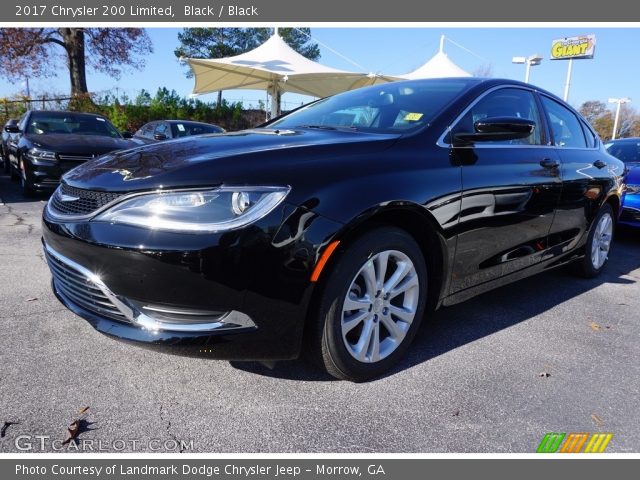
column 568, row 48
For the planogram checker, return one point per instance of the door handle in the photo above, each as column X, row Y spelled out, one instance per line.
column 549, row 163
column 599, row 164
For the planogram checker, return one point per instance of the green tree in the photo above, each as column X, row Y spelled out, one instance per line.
column 227, row 42
column 602, row 119
column 33, row 52
column 593, row 109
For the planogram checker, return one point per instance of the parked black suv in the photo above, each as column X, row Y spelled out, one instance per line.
column 49, row 143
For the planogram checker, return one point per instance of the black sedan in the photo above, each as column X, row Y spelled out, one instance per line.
column 49, row 143
column 168, row 129
column 333, row 229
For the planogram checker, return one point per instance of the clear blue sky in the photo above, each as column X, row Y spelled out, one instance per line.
column 614, row 72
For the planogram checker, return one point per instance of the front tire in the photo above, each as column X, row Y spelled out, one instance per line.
column 598, row 244
column 14, row 174
column 372, row 305
column 26, row 186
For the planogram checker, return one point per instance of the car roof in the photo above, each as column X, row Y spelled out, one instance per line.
column 485, row 83
column 188, row 121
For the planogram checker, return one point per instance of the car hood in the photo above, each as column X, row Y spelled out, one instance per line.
column 246, row 157
column 67, row 143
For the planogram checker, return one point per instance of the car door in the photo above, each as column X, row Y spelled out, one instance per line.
column 584, row 173
column 510, row 192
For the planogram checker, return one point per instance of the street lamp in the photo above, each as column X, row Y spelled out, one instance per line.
column 530, row 61
column 619, row 101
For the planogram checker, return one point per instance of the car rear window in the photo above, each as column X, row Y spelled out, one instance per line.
column 628, row 152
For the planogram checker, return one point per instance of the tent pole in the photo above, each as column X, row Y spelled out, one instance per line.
column 275, row 99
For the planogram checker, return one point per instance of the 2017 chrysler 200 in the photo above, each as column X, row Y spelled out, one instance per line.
column 335, row 226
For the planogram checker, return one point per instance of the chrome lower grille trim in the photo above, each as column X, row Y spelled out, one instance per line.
column 81, row 286
column 85, row 289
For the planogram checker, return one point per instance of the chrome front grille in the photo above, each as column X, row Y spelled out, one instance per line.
column 76, row 158
column 76, row 202
column 80, row 289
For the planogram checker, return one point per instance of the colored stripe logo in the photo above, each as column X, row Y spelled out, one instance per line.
column 573, row 442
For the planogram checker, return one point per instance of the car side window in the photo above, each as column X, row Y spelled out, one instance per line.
column 592, row 139
column 564, row 125
column 22, row 124
column 147, row 130
column 505, row 102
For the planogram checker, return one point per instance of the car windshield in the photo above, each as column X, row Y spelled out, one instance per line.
column 185, row 129
column 389, row 108
column 627, row 151
column 42, row 123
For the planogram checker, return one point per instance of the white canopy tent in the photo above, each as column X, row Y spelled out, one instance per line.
column 439, row 66
column 276, row 67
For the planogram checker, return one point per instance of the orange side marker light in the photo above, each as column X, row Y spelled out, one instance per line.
column 324, row 258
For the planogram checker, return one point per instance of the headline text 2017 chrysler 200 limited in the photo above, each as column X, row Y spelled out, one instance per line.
column 336, row 226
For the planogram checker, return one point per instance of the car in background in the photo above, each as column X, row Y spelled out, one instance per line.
column 628, row 150
column 6, row 139
column 333, row 229
column 47, row 144
column 168, row 129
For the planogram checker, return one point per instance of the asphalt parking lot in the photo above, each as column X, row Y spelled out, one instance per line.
column 549, row 354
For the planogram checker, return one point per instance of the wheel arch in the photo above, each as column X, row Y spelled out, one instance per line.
column 414, row 220
column 614, row 201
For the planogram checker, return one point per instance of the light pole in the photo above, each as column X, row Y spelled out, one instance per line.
column 619, row 101
column 530, row 61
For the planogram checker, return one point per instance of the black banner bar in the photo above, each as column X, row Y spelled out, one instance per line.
column 318, row 469
column 335, row 11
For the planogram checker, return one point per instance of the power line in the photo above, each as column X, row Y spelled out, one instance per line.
column 466, row 49
column 344, row 57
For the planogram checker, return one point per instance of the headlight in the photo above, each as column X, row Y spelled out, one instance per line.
column 205, row 211
column 37, row 155
column 632, row 189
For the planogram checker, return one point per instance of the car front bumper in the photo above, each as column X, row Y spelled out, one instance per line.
column 46, row 176
column 236, row 295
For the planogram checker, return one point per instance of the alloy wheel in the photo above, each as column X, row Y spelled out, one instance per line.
column 601, row 241
column 380, row 306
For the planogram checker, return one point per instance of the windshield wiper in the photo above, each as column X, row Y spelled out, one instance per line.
column 329, row 127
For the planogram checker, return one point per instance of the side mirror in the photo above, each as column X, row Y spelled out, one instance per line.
column 12, row 129
column 127, row 135
column 495, row 129
column 159, row 136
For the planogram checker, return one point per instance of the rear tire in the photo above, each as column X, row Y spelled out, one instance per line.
column 372, row 305
column 598, row 244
